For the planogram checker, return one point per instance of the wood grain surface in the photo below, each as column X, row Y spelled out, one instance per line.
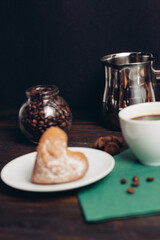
column 57, row 216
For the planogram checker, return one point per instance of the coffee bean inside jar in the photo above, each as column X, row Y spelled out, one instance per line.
column 44, row 108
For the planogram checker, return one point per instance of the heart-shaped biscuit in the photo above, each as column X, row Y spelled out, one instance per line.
column 55, row 163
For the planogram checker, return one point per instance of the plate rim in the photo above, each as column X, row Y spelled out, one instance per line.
column 74, row 183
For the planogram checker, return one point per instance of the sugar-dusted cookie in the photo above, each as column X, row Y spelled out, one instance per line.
column 55, row 163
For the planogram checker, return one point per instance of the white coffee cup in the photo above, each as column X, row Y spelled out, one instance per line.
column 142, row 136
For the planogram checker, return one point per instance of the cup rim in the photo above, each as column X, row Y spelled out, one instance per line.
column 132, row 108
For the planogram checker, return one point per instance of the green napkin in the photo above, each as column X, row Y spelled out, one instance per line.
column 108, row 198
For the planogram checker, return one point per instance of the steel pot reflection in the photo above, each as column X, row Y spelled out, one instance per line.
column 130, row 78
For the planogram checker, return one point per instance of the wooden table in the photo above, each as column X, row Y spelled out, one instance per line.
column 57, row 216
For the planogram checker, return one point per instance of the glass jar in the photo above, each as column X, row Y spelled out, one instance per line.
column 43, row 109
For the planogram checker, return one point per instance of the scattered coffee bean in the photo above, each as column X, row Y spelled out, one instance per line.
column 150, row 179
column 135, row 184
column 123, row 180
column 130, row 190
column 135, row 179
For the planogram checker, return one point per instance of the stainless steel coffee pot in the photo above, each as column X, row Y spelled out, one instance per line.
column 130, row 78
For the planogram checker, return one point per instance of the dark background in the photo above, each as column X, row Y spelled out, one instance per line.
column 61, row 42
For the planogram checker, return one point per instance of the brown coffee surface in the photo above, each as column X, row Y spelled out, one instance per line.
column 147, row 118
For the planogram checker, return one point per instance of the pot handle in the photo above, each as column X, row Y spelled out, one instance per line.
column 157, row 75
column 155, row 66
column 156, row 71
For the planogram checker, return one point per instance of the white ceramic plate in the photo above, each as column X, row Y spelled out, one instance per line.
column 17, row 173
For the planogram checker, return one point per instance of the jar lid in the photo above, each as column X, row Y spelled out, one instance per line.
column 42, row 90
